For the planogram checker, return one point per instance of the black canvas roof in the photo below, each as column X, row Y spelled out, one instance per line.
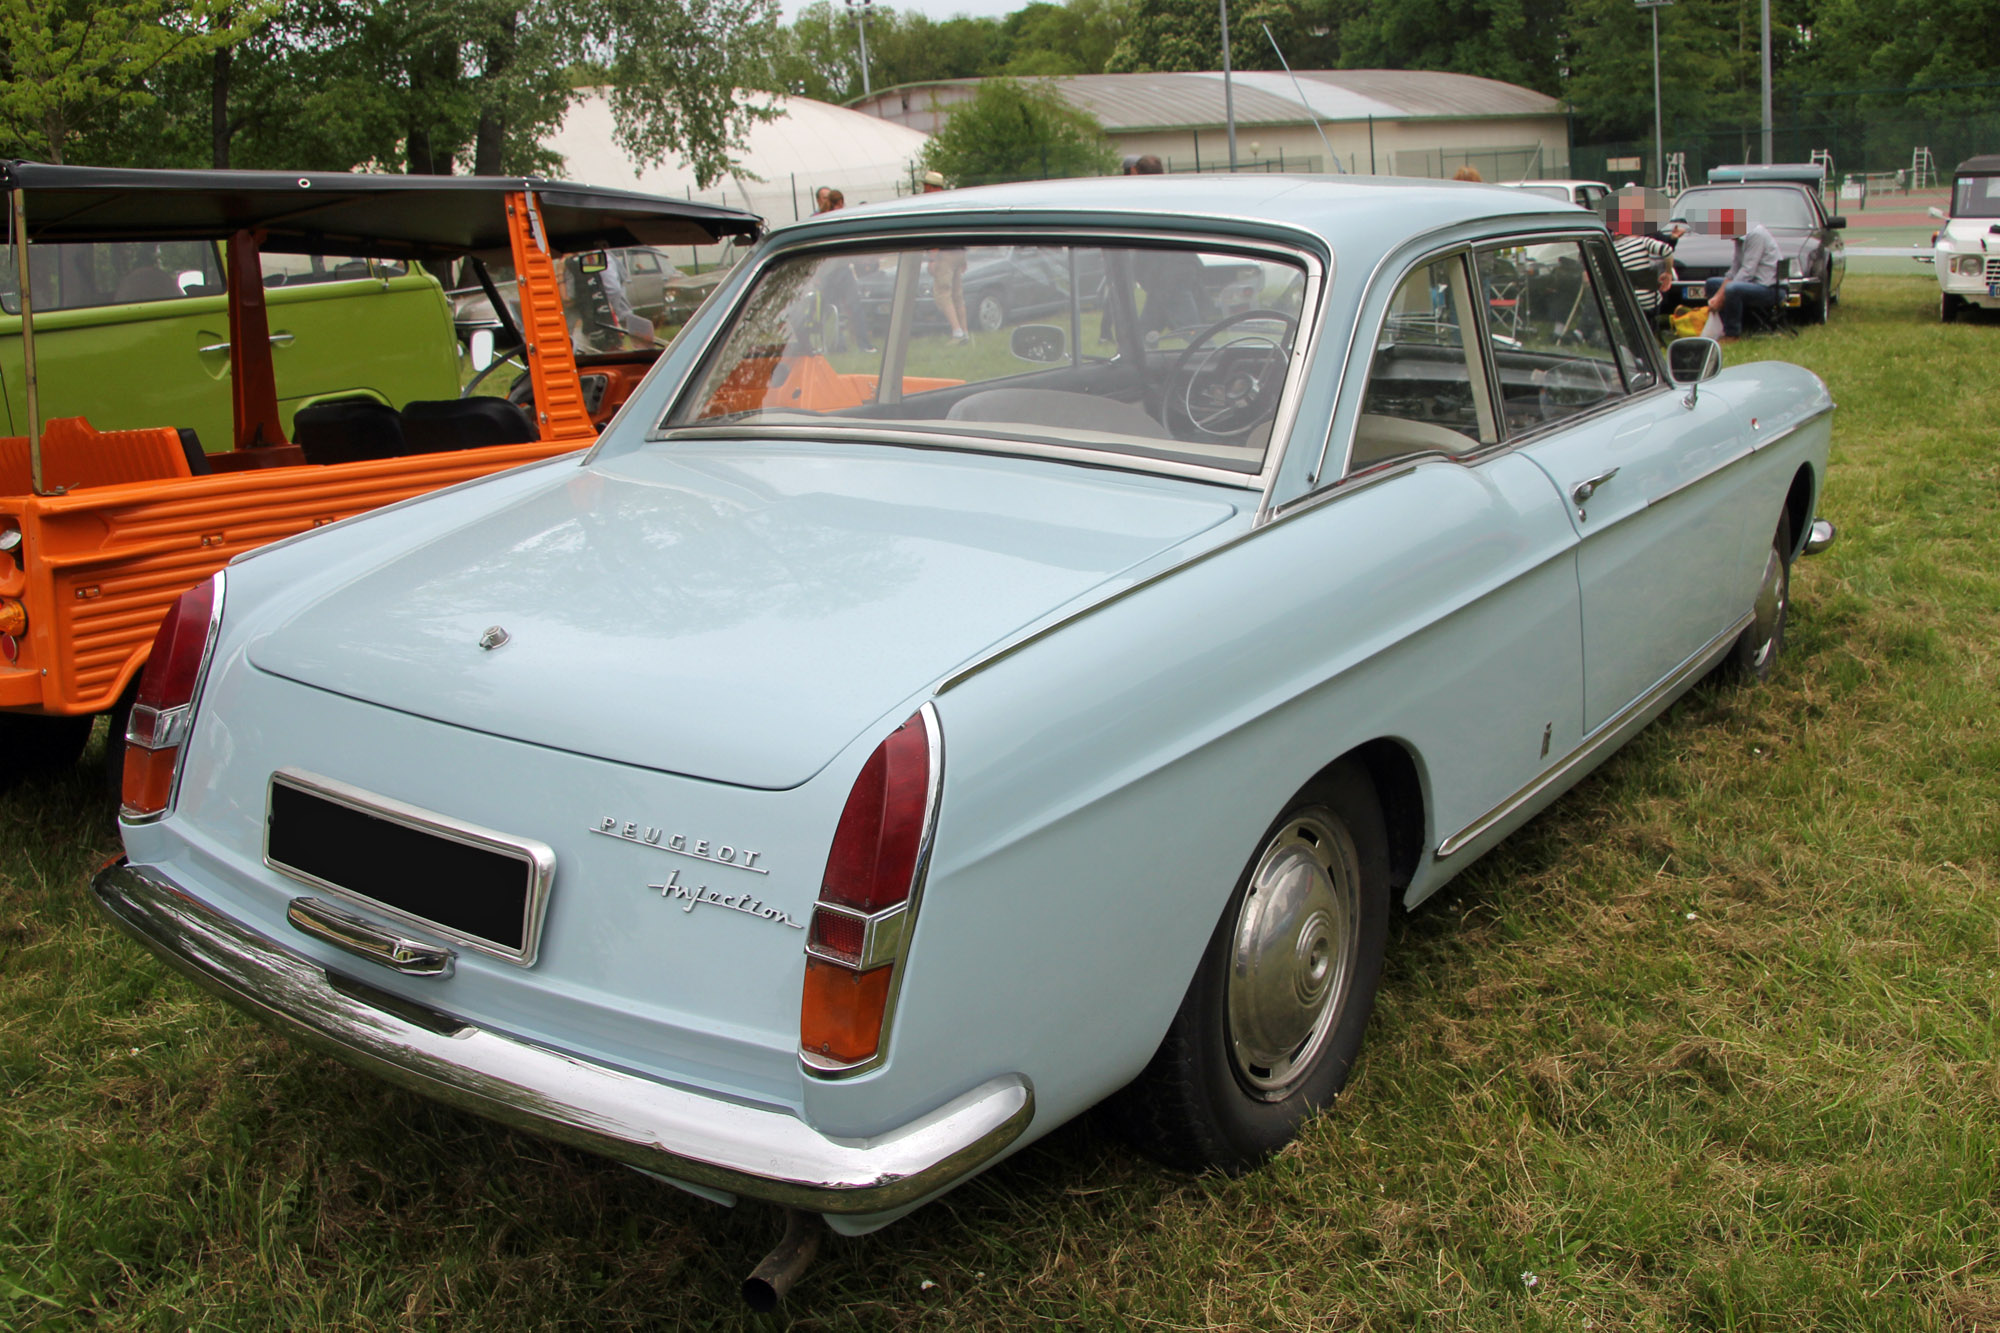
column 383, row 217
column 1989, row 165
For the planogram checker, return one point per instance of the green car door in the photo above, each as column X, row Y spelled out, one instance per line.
column 137, row 335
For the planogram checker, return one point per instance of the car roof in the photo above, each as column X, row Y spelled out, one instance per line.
column 378, row 216
column 1382, row 210
column 1986, row 165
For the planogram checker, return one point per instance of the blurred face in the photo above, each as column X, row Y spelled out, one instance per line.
column 1720, row 221
column 1635, row 213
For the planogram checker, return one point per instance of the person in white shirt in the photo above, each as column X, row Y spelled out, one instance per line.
column 1752, row 279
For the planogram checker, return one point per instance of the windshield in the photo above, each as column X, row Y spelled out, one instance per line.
column 1772, row 206
column 1976, row 197
column 1157, row 353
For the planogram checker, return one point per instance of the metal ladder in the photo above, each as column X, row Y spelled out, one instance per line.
column 1677, row 174
column 1823, row 158
column 1923, row 170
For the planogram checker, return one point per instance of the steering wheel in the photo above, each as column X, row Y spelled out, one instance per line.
column 1221, row 389
column 1571, row 386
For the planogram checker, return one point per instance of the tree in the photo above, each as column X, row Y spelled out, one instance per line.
column 444, row 86
column 1073, row 38
column 66, row 64
column 1015, row 130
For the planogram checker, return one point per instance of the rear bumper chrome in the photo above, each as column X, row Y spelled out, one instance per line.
column 755, row 1151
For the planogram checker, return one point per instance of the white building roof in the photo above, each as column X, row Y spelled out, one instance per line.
column 808, row 145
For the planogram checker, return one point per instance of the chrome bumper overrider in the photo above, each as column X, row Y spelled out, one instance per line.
column 753, row 1151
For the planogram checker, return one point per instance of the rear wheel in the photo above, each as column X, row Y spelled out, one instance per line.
column 1949, row 307
column 1274, row 1016
column 1757, row 648
column 34, row 745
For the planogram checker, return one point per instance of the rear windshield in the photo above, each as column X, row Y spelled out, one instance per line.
column 1976, row 197
column 1773, row 206
column 1163, row 353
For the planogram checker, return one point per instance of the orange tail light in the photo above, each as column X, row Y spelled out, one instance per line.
column 874, row 876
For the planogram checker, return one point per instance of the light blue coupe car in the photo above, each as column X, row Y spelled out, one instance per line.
column 869, row 757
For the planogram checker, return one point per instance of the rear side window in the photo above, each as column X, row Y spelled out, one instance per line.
column 79, row 276
column 1427, row 391
column 1551, row 346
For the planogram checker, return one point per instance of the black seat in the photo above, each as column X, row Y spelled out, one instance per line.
column 443, row 425
column 197, row 457
column 348, row 430
column 1776, row 317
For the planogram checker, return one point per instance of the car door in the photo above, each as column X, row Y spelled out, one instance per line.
column 1468, row 536
column 1635, row 460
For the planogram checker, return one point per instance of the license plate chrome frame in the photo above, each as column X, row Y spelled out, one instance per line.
column 538, row 861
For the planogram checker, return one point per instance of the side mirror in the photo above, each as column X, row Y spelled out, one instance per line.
column 188, row 279
column 1042, row 343
column 481, row 347
column 1692, row 360
column 1837, row 223
column 1937, row 213
column 593, row 262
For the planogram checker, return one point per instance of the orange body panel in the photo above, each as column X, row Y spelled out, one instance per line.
column 105, row 562
column 805, row 382
column 99, row 564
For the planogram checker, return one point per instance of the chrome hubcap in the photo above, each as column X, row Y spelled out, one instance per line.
column 1768, row 610
column 1292, row 954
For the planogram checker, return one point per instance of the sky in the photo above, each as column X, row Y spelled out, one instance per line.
column 936, row 9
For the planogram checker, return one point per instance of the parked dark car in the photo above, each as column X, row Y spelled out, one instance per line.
column 1815, row 256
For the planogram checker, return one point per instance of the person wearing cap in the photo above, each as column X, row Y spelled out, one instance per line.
column 948, row 274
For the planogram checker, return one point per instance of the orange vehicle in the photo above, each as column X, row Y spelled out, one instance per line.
column 101, row 529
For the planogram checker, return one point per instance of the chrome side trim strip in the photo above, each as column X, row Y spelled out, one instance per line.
column 1614, row 731
column 759, row 1152
column 1755, row 447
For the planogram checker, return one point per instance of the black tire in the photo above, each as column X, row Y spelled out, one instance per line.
column 35, row 745
column 1204, row 1101
column 1949, row 307
column 989, row 312
column 120, row 717
column 1758, row 647
column 1822, row 306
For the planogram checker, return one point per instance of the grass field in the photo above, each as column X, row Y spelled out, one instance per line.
column 1710, row 1045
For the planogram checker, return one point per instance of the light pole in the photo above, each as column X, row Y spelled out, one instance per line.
column 859, row 10
column 1767, row 82
column 1659, row 141
column 1228, row 88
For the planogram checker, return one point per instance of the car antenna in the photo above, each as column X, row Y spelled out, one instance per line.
column 1330, row 155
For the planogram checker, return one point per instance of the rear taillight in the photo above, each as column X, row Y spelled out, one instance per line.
column 868, row 899
column 163, row 711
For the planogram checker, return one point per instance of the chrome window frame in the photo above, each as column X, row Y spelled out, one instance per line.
column 539, row 857
column 1305, row 340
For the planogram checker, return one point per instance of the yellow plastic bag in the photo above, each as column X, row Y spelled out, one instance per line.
column 1689, row 320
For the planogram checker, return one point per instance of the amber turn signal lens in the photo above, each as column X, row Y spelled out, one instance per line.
column 149, row 780
column 841, row 1018
column 13, row 617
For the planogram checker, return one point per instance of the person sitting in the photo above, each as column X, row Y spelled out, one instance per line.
column 1646, row 256
column 1752, row 279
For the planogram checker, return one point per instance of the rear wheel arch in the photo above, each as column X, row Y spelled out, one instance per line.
column 1399, row 787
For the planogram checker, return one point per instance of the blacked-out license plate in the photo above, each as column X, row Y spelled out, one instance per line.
column 470, row 885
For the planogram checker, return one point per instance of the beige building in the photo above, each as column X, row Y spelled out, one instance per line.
column 1363, row 121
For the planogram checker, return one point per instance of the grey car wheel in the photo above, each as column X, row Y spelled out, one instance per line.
column 990, row 313
column 1274, row 1016
column 1292, row 952
column 1757, row 648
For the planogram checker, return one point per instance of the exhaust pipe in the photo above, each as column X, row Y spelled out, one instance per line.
column 769, row 1282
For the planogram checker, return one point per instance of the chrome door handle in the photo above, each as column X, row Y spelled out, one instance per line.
column 344, row 930
column 1586, row 488
column 277, row 340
